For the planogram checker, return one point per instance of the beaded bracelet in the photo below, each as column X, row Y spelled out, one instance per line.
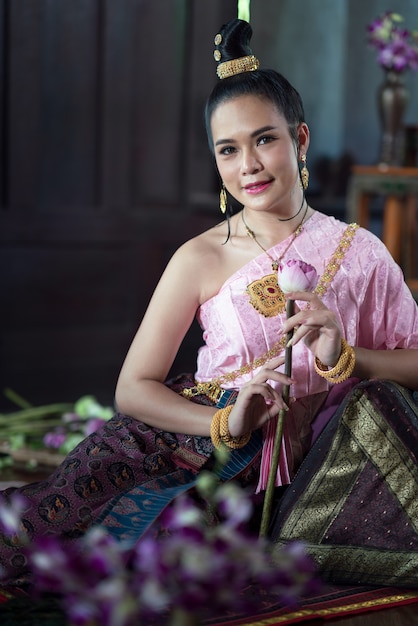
column 343, row 368
column 215, row 429
column 219, row 431
column 226, row 437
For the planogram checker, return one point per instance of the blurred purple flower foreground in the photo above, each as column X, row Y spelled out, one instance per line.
column 397, row 47
column 192, row 566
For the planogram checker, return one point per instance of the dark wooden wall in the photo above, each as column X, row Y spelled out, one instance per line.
column 104, row 171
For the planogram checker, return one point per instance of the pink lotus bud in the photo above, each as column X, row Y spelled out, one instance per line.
column 297, row 276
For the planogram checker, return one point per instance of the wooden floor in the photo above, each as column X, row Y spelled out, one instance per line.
column 402, row 616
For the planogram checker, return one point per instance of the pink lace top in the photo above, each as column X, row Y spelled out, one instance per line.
column 374, row 307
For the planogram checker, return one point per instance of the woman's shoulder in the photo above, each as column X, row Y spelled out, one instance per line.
column 361, row 253
column 333, row 229
column 205, row 256
column 207, row 245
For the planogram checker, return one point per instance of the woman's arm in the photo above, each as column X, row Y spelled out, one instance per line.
column 318, row 327
column 400, row 366
column 141, row 392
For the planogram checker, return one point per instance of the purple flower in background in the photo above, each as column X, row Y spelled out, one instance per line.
column 397, row 48
column 55, row 439
column 92, row 425
column 88, row 416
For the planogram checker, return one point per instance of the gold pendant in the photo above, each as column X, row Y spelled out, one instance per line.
column 266, row 296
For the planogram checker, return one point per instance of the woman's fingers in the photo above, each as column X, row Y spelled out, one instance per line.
column 274, row 363
column 258, row 401
column 269, row 372
column 270, row 395
column 251, row 392
column 314, row 317
column 306, row 296
column 303, row 323
column 317, row 326
column 255, row 405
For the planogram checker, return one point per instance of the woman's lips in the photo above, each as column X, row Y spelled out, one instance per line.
column 255, row 188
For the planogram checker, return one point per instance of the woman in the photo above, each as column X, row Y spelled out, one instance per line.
column 125, row 473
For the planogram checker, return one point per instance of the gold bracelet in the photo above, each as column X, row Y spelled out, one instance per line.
column 226, row 437
column 219, row 431
column 343, row 368
column 215, row 429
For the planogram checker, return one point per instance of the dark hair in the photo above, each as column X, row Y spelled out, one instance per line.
column 265, row 83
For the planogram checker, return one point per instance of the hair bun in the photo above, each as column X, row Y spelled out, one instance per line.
column 233, row 52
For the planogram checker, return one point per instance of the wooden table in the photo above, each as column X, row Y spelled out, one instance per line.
column 399, row 187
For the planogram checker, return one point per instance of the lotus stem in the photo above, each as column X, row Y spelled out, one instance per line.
column 271, row 482
column 38, row 411
column 17, row 399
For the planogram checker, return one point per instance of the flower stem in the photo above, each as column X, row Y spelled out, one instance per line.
column 271, row 482
column 39, row 411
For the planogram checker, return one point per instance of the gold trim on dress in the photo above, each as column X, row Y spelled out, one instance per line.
column 213, row 388
column 338, row 611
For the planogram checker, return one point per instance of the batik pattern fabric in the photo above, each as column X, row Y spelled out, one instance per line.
column 122, row 476
column 354, row 500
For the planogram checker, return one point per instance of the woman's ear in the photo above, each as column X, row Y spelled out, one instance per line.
column 303, row 138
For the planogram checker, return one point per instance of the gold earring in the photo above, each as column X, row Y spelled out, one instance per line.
column 304, row 173
column 223, row 199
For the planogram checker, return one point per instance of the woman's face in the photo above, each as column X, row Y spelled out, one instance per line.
column 256, row 157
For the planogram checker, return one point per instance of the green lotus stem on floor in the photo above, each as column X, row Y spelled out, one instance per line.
column 32, row 422
column 30, row 428
column 16, row 398
column 39, row 411
column 271, row 482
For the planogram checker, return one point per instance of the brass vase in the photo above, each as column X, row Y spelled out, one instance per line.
column 392, row 103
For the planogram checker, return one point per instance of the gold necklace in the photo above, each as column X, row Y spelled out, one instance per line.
column 275, row 263
column 265, row 295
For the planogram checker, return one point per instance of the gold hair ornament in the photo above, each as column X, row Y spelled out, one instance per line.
column 236, row 66
column 344, row 367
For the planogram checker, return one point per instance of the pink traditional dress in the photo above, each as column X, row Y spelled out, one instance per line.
column 359, row 282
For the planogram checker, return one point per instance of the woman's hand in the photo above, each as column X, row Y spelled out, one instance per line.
column 258, row 401
column 317, row 326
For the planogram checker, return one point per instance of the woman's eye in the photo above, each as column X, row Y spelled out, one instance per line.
column 227, row 150
column 265, row 139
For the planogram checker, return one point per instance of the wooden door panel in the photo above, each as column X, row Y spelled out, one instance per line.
column 104, row 172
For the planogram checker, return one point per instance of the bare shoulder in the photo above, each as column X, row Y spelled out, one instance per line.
column 207, row 244
column 210, row 258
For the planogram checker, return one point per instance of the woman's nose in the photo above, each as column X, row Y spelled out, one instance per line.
column 250, row 163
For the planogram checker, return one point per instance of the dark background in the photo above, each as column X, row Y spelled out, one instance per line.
column 105, row 169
